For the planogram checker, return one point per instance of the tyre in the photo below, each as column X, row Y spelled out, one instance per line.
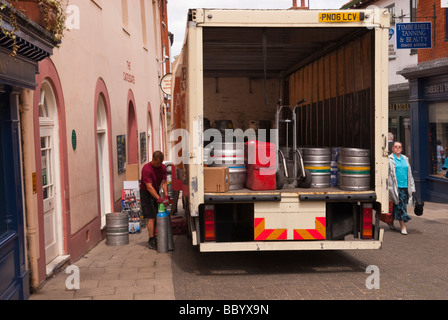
column 306, row 181
column 280, row 179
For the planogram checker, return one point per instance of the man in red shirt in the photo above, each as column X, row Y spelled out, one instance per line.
column 153, row 177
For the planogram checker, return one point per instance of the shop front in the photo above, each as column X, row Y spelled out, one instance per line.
column 15, row 74
column 429, row 123
column 399, row 116
column 17, row 80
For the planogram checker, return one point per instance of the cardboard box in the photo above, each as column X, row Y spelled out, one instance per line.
column 132, row 172
column 216, row 179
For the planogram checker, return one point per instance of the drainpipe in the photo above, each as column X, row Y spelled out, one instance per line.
column 29, row 171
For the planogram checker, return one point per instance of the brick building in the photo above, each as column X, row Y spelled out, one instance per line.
column 429, row 105
column 428, row 96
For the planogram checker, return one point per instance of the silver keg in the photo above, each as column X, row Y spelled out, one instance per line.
column 169, row 177
column 354, row 169
column 231, row 155
column 318, row 162
column 117, row 229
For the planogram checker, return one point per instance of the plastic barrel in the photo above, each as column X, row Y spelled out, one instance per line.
column 354, row 169
column 318, row 162
column 117, row 229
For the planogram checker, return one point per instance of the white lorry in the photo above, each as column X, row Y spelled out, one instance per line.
column 236, row 65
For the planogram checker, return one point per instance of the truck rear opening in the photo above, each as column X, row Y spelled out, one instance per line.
column 234, row 68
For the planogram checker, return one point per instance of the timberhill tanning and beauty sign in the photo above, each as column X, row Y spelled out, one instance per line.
column 414, row 35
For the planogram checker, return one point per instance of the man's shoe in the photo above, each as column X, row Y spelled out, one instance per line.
column 152, row 243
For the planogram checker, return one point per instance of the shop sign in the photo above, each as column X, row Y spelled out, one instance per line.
column 436, row 88
column 399, row 107
column 392, row 41
column 17, row 71
column 127, row 76
column 414, row 35
column 165, row 83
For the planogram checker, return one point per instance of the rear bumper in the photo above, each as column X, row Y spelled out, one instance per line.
column 325, row 194
column 354, row 244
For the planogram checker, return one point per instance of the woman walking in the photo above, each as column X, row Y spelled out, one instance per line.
column 401, row 186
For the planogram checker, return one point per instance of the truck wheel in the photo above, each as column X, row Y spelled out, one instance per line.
column 306, row 181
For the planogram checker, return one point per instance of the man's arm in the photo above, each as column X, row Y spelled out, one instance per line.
column 152, row 191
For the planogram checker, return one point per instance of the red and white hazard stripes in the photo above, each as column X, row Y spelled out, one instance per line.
column 263, row 234
column 320, row 233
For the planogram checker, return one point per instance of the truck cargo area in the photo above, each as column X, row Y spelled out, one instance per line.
column 248, row 70
column 292, row 82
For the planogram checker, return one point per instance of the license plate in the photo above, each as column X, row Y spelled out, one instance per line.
column 341, row 17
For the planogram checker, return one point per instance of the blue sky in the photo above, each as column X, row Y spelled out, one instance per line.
column 177, row 11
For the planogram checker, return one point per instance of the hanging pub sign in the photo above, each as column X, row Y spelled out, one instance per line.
column 165, row 83
column 414, row 35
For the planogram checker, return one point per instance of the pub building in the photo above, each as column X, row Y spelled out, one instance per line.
column 428, row 100
column 17, row 82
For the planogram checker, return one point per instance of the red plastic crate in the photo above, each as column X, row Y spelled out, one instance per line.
column 256, row 178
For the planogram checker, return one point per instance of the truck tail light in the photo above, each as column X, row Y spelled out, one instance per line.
column 367, row 221
column 209, row 223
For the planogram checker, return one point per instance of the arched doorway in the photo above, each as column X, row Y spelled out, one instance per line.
column 103, row 149
column 132, row 131
column 51, row 172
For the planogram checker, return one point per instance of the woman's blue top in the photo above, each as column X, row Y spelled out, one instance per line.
column 401, row 170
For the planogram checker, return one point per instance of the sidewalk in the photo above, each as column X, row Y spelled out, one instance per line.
column 135, row 272
column 432, row 211
column 130, row 272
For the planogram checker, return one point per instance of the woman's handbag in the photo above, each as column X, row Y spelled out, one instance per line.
column 418, row 206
